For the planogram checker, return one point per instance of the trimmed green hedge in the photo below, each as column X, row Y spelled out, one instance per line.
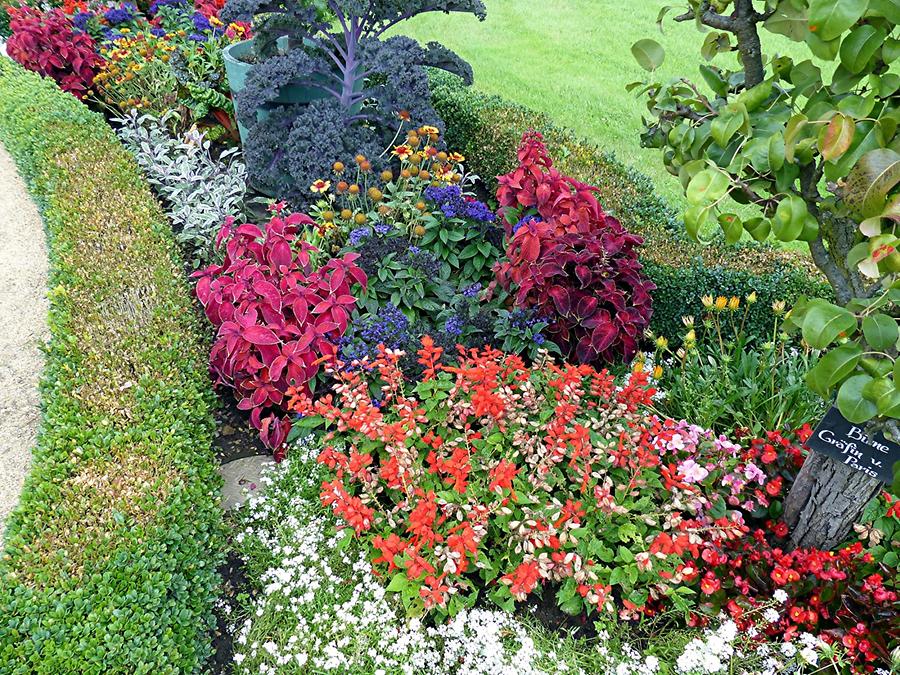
column 110, row 558
column 487, row 130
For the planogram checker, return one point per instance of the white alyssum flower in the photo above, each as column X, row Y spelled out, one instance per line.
column 323, row 610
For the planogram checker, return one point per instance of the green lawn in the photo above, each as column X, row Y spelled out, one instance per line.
column 572, row 59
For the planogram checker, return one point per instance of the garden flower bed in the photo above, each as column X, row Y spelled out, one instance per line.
column 520, row 423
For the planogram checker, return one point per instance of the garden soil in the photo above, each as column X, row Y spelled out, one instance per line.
column 23, row 330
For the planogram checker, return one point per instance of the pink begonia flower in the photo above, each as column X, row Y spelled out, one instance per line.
column 753, row 472
column 692, row 472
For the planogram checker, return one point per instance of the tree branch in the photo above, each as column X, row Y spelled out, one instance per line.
column 742, row 23
column 710, row 18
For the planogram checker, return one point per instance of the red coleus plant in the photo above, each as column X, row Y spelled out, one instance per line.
column 278, row 318
column 573, row 263
column 47, row 43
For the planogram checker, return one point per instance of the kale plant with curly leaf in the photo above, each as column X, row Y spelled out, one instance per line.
column 368, row 85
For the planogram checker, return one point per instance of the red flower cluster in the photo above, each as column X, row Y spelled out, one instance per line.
column 832, row 594
column 492, row 477
column 47, row 43
column 571, row 261
column 277, row 317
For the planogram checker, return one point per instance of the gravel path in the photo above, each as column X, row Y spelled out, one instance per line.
column 23, row 328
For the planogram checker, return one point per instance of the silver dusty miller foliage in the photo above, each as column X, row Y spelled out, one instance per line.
column 199, row 190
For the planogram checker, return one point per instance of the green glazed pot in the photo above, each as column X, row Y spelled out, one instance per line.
column 238, row 65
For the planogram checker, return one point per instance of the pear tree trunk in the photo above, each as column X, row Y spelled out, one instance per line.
column 827, row 498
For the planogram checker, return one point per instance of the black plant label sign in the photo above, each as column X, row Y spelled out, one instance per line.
column 851, row 445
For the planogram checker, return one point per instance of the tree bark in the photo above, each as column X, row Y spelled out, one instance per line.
column 827, row 498
column 749, row 46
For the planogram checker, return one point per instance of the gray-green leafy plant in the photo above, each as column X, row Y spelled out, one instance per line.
column 200, row 190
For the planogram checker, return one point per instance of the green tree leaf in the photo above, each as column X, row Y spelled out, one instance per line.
column 870, row 181
column 726, row 125
column 648, row 53
column 789, row 219
column 758, row 228
column 707, row 186
column 860, row 46
column 880, row 331
column 829, row 18
column 836, row 137
column 824, row 322
column 732, row 226
column 789, row 21
column 851, row 402
column 694, row 219
column 888, row 403
column 792, row 132
column 833, row 367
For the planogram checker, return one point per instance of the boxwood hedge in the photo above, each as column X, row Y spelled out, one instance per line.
column 110, row 559
column 487, row 130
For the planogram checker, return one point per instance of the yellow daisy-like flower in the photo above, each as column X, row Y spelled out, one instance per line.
column 707, row 301
column 456, row 157
column 721, row 303
column 734, row 303
column 657, row 372
column 402, row 152
column 428, row 131
column 320, row 186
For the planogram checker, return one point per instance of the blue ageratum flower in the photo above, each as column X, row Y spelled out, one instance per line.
column 453, row 204
column 80, row 20
column 201, row 23
column 157, row 4
column 472, row 291
column 357, row 236
column 196, row 37
column 117, row 15
column 454, row 326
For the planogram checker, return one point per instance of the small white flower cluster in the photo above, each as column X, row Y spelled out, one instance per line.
column 711, row 654
column 725, row 650
column 322, row 609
